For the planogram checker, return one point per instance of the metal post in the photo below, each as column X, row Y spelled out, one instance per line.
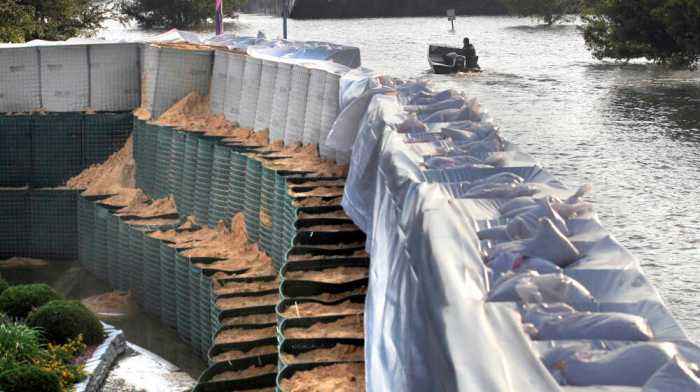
column 285, row 14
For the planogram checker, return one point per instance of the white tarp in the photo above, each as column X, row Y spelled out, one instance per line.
column 428, row 323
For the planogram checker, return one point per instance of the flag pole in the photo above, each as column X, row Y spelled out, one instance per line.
column 219, row 16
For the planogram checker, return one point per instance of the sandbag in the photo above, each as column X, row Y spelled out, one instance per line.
column 506, row 262
column 562, row 322
column 631, row 365
column 531, row 287
column 466, row 112
column 550, row 244
column 678, row 375
column 527, row 224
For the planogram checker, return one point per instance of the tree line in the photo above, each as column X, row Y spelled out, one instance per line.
column 664, row 31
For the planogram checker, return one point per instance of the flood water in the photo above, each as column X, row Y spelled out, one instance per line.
column 632, row 131
column 72, row 282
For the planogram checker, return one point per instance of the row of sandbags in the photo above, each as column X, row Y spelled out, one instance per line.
column 70, row 77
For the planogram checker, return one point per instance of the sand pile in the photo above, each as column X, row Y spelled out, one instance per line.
column 337, row 353
column 237, row 335
column 245, row 287
column 330, row 297
column 253, row 319
column 23, row 263
column 345, row 377
column 145, row 207
column 112, row 306
column 228, row 303
column 116, row 173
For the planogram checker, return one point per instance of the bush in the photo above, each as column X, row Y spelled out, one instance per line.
column 59, row 358
column 19, row 344
column 29, row 379
column 178, row 14
column 61, row 320
column 3, row 284
column 18, row 301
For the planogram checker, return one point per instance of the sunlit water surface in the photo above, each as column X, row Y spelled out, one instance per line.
column 631, row 131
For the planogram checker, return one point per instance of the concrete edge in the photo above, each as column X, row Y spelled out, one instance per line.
column 102, row 359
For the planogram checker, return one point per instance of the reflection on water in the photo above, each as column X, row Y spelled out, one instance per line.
column 72, row 282
column 629, row 130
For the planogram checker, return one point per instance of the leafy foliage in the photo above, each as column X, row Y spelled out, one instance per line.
column 664, row 31
column 18, row 301
column 61, row 320
column 28, row 378
column 174, row 13
column 550, row 11
column 3, row 282
column 19, row 344
column 25, row 20
column 58, row 360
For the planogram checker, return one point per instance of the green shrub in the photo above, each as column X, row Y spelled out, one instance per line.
column 19, row 344
column 18, row 301
column 29, row 378
column 3, row 284
column 61, row 321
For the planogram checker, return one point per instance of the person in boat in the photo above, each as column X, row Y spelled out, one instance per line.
column 462, row 58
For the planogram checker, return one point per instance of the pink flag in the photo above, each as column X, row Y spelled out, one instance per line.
column 219, row 16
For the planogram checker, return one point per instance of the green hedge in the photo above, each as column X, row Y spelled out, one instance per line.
column 62, row 320
column 18, row 301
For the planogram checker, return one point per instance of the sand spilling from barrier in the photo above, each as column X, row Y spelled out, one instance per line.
column 151, row 208
column 345, row 377
column 337, row 353
column 253, row 319
column 313, row 309
column 330, row 275
column 317, row 202
column 238, row 335
column 246, row 373
column 312, row 257
column 254, row 352
column 245, row 287
column 117, row 172
column 346, row 327
column 330, row 297
column 247, row 302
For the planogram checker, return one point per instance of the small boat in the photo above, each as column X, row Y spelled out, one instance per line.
column 443, row 64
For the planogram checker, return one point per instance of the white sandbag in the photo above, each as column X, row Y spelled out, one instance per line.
column 234, row 86
column 678, row 375
column 263, row 111
column 294, row 130
column 492, row 142
column 217, row 91
column 280, row 101
column 427, row 98
column 631, row 365
column 531, row 287
column 452, row 161
column 64, row 78
column 550, row 244
column 251, row 89
column 114, row 77
column 561, row 322
column 19, row 80
column 426, row 110
column 527, row 224
column 506, row 262
column 500, row 191
column 468, row 131
column 517, row 204
column 314, row 107
column 329, row 112
column 450, row 115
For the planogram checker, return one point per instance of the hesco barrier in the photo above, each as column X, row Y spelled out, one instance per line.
column 29, row 145
column 39, row 223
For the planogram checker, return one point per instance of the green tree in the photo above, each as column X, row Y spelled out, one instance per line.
column 550, row 11
column 664, row 31
column 25, row 20
column 175, row 13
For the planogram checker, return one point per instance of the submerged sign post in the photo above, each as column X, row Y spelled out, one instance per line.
column 451, row 16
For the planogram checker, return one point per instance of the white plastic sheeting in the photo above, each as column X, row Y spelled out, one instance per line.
column 114, row 77
column 280, row 101
column 263, row 112
column 314, row 107
column 19, row 80
column 64, row 78
column 428, row 322
column 249, row 94
column 296, row 108
column 234, row 86
column 217, row 91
